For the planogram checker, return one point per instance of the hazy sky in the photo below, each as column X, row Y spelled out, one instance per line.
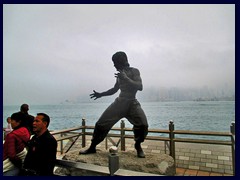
column 57, row 52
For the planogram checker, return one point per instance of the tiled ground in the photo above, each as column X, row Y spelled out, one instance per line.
column 191, row 172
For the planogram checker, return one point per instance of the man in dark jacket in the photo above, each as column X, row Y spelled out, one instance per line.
column 42, row 148
column 28, row 119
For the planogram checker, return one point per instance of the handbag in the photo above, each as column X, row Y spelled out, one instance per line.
column 8, row 165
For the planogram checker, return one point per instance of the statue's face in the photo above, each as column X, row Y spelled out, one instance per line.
column 118, row 66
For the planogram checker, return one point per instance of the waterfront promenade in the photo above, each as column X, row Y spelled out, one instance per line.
column 191, row 159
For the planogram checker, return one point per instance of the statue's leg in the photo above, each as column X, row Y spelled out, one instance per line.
column 138, row 118
column 107, row 120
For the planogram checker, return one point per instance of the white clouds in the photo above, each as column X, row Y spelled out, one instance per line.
column 69, row 47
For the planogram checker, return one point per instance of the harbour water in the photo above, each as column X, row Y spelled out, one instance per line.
column 186, row 115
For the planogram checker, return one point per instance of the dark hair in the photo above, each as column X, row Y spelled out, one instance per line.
column 19, row 117
column 120, row 58
column 24, row 108
column 46, row 118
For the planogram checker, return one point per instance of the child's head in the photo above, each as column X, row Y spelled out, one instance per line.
column 8, row 120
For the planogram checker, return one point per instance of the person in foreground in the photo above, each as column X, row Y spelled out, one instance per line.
column 42, row 148
column 128, row 80
column 14, row 150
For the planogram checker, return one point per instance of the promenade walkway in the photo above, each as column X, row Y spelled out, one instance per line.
column 191, row 159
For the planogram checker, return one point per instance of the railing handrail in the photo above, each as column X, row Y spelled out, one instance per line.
column 207, row 133
column 65, row 130
column 182, row 132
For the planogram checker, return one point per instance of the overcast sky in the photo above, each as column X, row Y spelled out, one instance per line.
column 57, row 52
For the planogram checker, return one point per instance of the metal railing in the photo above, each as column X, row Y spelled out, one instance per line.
column 169, row 141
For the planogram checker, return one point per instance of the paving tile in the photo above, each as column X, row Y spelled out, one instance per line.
column 190, row 154
column 195, row 150
column 211, row 165
column 217, row 153
column 227, row 167
column 147, row 150
column 130, row 149
column 227, row 175
column 183, row 166
column 179, row 153
column 205, row 169
column 152, row 147
column 194, row 159
column 203, row 173
column 227, row 162
column 227, row 154
column 215, row 174
column 183, row 158
column 205, row 160
column 179, row 161
column 191, row 172
column 223, row 158
column 228, row 171
column 206, row 152
column 210, row 156
column 155, row 151
column 199, row 164
column 200, row 155
column 184, row 150
column 180, row 171
column 191, row 163
column 128, row 145
column 186, row 162
column 219, row 162
column 193, row 167
column 218, row 170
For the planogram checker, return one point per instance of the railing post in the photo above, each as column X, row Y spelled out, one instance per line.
column 166, row 145
column 83, row 132
column 232, row 130
column 61, row 144
column 122, row 135
column 106, row 142
column 171, row 137
column 232, row 127
column 113, row 160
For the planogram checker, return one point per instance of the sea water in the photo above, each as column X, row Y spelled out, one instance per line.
column 186, row 115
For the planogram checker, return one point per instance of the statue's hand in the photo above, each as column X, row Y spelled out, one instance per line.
column 121, row 75
column 95, row 95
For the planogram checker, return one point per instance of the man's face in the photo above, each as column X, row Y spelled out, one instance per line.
column 39, row 124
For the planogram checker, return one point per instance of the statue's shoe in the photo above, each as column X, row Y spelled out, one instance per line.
column 88, row 151
column 140, row 152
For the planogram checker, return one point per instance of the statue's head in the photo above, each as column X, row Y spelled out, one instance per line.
column 120, row 60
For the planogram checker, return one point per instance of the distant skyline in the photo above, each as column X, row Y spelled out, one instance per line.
column 58, row 52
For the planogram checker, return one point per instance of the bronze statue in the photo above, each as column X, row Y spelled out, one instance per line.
column 128, row 80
